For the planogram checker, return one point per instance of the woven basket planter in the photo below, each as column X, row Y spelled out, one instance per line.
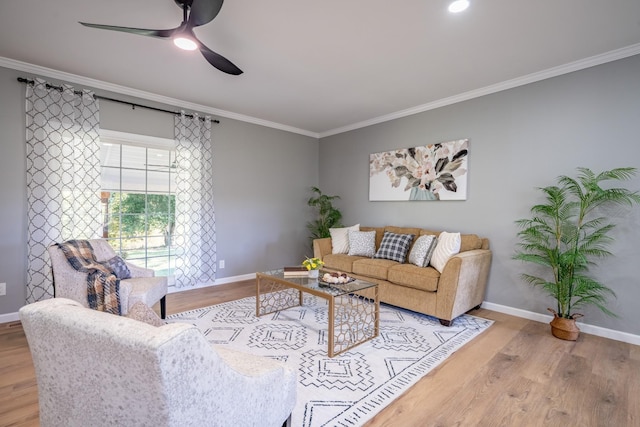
column 563, row 328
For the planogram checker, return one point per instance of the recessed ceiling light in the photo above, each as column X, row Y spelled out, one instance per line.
column 458, row 6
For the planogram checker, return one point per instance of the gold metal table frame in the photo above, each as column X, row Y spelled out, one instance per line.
column 353, row 308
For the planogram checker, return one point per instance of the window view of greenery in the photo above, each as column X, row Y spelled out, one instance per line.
column 139, row 205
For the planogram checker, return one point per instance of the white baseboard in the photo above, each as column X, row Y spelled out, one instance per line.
column 584, row 327
column 538, row 317
column 13, row 317
column 9, row 317
column 222, row 281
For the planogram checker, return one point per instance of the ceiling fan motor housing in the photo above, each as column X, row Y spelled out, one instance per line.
column 184, row 3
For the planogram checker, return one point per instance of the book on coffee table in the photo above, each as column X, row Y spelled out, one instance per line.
column 296, row 271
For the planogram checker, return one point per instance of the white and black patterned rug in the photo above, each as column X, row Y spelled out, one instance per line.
column 351, row 388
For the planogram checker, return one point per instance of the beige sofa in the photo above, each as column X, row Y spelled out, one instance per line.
column 459, row 288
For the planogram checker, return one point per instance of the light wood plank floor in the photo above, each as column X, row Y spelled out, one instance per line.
column 514, row 374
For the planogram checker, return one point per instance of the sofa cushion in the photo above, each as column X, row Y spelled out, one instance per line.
column 411, row 276
column 362, row 243
column 372, row 267
column 422, row 250
column 340, row 239
column 341, row 262
column 394, row 246
column 469, row 242
column 448, row 245
column 403, row 230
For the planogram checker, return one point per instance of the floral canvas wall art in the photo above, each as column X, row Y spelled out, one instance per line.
column 430, row 172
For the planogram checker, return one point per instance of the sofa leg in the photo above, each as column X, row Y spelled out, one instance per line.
column 287, row 422
column 445, row 322
column 163, row 307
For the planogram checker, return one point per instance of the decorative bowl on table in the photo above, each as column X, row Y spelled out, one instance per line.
column 335, row 278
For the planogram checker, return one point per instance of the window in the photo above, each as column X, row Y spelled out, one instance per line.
column 138, row 199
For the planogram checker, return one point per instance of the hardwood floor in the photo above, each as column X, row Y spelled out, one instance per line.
column 514, row 374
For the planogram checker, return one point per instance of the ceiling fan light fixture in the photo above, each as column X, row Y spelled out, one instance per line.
column 458, row 6
column 195, row 13
column 185, row 43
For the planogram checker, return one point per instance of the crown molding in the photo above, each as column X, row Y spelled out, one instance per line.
column 465, row 96
column 124, row 90
column 487, row 90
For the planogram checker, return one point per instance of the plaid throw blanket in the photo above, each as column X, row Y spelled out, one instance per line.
column 103, row 287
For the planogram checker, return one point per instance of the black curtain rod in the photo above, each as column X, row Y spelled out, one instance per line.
column 132, row 104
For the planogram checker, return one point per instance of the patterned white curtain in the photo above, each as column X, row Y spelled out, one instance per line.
column 195, row 231
column 63, row 176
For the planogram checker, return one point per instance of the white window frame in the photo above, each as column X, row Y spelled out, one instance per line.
column 139, row 140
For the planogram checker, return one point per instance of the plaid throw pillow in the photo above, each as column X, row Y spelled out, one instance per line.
column 119, row 268
column 394, row 246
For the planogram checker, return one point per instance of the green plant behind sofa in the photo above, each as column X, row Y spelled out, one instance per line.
column 328, row 216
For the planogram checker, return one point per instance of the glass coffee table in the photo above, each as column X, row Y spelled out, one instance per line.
column 353, row 308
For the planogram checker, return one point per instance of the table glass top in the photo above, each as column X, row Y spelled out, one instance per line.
column 334, row 289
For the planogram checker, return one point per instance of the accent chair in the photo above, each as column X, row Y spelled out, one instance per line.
column 96, row 369
column 143, row 286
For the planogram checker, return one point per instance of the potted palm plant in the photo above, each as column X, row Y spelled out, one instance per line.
column 566, row 235
column 328, row 216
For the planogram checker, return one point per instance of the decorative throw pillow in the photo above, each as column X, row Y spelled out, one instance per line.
column 422, row 250
column 394, row 246
column 143, row 313
column 448, row 245
column 362, row 243
column 340, row 239
column 119, row 268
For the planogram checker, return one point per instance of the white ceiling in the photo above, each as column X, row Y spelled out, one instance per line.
column 319, row 67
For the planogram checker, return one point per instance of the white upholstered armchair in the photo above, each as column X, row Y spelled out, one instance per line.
column 96, row 369
column 142, row 286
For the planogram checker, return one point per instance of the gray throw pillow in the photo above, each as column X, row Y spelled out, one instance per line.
column 362, row 243
column 394, row 246
column 119, row 268
column 422, row 250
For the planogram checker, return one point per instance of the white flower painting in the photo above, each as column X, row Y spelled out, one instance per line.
column 430, row 172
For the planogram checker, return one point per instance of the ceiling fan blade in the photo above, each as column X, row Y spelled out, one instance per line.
column 140, row 31
column 203, row 11
column 219, row 61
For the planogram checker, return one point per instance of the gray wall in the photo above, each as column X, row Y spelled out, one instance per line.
column 520, row 139
column 262, row 178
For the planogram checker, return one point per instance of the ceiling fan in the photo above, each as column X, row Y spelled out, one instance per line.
column 194, row 14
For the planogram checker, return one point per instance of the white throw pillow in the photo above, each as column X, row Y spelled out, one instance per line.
column 362, row 243
column 422, row 250
column 448, row 245
column 340, row 239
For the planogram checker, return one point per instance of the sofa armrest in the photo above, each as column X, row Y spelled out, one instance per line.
column 137, row 271
column 322, row 247
column 463, row 283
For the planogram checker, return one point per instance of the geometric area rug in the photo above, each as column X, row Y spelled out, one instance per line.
column 348, row 389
